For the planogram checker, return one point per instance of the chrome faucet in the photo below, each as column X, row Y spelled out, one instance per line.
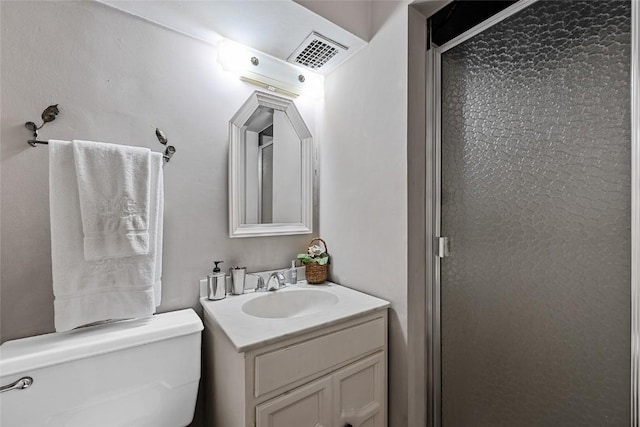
column 276, row 276
column 279, row 281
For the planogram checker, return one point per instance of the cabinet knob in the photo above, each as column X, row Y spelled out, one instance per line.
column 348, row 425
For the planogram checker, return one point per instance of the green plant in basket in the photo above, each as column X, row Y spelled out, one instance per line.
column 316, row 254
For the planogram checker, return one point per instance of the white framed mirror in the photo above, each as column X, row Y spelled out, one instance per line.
column 270, row 169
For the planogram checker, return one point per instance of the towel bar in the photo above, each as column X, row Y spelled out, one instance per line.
column 49, row 114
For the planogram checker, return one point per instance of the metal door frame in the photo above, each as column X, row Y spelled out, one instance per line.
column 433, row 212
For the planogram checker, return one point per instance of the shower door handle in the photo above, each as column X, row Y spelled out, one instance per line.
column 21, row 384
column 443, row 247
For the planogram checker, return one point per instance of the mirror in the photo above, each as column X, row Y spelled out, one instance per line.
column 270, row 169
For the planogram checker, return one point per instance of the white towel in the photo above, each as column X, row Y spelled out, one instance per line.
column 112, row 288
column 156, row 216
column 113, row 181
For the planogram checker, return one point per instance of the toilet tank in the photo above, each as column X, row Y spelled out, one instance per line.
column 142, row 372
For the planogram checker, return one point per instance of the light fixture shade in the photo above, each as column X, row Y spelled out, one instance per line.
column 266, row 71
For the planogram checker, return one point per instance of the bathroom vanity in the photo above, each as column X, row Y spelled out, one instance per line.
column 304, row 355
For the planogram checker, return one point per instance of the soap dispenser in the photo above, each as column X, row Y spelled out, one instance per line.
column 216, row 284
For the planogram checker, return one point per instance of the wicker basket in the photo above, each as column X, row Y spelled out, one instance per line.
column 316, row 273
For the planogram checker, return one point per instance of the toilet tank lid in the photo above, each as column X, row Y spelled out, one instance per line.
column 36, row 352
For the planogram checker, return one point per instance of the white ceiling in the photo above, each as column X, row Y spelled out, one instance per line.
column 275, row 27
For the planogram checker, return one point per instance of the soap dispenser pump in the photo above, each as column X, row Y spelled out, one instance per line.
column 216, row 283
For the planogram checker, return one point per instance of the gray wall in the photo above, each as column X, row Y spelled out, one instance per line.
column 363, row 180
column 117, row 78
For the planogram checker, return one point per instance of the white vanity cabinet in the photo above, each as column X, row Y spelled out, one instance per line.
column 331, row 376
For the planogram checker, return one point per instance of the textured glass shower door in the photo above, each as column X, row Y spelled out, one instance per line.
column 536, row 202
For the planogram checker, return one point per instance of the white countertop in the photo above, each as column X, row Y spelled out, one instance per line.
column 247, row 332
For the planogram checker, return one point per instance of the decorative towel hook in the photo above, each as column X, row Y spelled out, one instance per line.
column 48, row 115
column 171, row 150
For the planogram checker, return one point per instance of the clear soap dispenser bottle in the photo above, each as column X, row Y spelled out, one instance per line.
column 216, row 284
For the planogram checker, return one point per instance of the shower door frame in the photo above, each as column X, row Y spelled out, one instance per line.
column 433, row 209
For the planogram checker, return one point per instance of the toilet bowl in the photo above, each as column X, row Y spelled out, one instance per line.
column 141, row 372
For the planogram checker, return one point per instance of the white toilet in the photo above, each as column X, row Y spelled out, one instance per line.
column 142, row 372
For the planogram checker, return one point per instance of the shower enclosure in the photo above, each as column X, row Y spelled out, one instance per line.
column 534, row 158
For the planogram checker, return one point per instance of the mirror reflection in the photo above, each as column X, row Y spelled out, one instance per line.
column 272, row 159
column 270, row 169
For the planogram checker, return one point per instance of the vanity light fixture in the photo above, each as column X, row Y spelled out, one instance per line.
column 267, row 71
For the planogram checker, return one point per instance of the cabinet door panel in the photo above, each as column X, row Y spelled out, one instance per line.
column 306, row 406
column 359, row 393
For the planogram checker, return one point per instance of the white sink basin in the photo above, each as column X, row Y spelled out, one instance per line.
column 256, row 319
column 293, row 303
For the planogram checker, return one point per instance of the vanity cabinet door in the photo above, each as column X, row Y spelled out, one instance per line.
column 306, row 406
column 359, row 393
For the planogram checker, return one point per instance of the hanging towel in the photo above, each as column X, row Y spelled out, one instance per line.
column 110, row 288
column 156, row 223
column 113, row 182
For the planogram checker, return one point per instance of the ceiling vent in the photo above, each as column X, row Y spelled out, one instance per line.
column 315, row 51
